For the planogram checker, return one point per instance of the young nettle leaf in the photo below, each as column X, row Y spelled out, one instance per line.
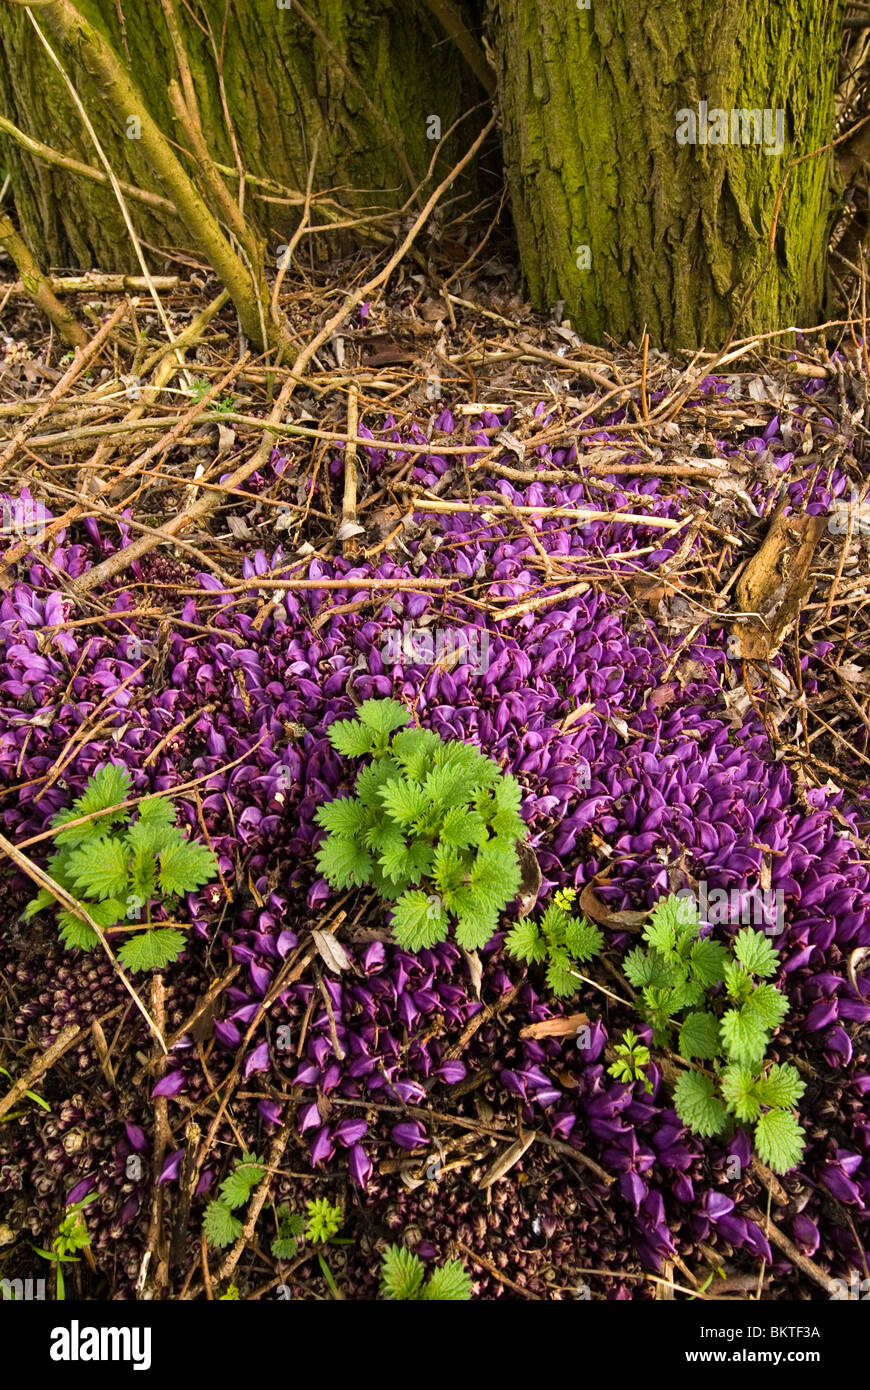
column 729, row 1028
column 120, row 875
column 290, row 1227
column 220, row 1226
column 403, row 1277
column 779, row 1140
column 101, row 869
column 151, row 950
column 525, row 943
column 562, row 941
column 185, row 866
column 740, row 1091
column 755, row 953
column 433, row 827
column 697, row 1104
column 699, row 1036
column 744, row 1036
column 449, row 1284
column 780, row 1088
column 402, row 1274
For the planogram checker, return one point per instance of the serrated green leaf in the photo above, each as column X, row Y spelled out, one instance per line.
column 185, row 866
column 449, row 1284
column 394, row 861
column 76, row 934
column 404, row 801
column 508, row 793
column 237, row 1187
column 744, row 1036
column 350, row 738
column 418, row 920
column 737, row 983
column 582, row 939
column 462, row 828
column 344, row 863
column 158, row 812
column 101, row 868
column 347, row 815
column 220, row 1226
column 109, row 785
column 151, row 950
column 401, row 1274
column 42, row 900
column 707, row 961
column 769, row 1004
column 383, row 716
column 561, row 978
column 524, row 941
column 779, row 1140
column 108, row 913
column 697, row 1104
column 699, row 1036
column 647, row 968
column 739, row 1090
column 474, row 929
column 371, row 778
column 782, row 1087
column 755, row 953
column 284, row 1248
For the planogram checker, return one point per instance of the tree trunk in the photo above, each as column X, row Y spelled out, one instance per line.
column 367, row 85
column 634, row 228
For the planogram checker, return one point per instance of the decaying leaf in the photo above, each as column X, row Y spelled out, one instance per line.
column 564, row 1027
column 331, row 952
column 592, row 906
column 530, row 883
column 506, row 1159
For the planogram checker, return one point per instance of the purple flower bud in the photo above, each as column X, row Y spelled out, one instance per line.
column 410, row 1134
column 309, row 1117
column 806, row 1234
column 360, row 1166
column 136, row 1136
column 270, row 1111
column 170, row 1085
column 80, row 1190
column 716, row 1204
column 258, row 1060
column 349, row 1132
column 171, row 1168
column 323, row 1148
column 451, row 1072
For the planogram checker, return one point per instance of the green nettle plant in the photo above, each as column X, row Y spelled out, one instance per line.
column 72, row 1235
column 559, row 939
column 730, row 1012
column 403, row 1278
column 220, row 1225
column 632, row 1055
column 118, row 868
column 433, row 827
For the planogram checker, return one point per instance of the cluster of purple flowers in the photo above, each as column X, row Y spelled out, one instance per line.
column 625, row 768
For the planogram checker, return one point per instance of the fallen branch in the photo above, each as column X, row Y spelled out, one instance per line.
column 38, row 286
column 43, row 1063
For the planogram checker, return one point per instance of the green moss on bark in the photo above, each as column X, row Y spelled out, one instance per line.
column 281, row 89
column 678, row 234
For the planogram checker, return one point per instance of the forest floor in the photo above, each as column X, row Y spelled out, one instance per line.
column 662, row 567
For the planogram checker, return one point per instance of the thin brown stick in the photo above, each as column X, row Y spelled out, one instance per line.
column 43, row 1063
column 38, row 286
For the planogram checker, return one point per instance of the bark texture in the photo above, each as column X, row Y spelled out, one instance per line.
column 678, row 234
column 282, row 85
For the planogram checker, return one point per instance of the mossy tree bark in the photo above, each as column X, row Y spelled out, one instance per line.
column 677, row 233
column 367, row 84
